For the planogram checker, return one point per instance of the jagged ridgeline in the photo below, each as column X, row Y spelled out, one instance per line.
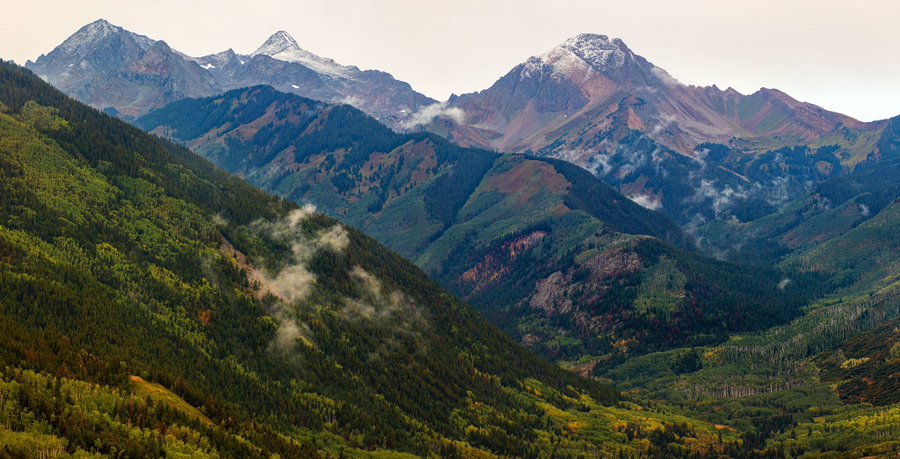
column 153, row 305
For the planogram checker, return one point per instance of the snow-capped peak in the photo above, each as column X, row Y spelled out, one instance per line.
column 598, row 51
column 90, row 33
column 283, row 47
column 580, row 57
column 279, row 42
column 94, row 32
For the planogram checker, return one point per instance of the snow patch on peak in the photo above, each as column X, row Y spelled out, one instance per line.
column 590, row 38
column 283, row 47
column 533, row 66
column 88, row 34
column 279, row 42
column 87, row 37
column 596, row 50
column 565, row 62
column 583, row 55
column 100, row 27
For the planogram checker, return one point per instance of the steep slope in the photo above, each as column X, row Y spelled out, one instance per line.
column 696, row 154
column 118, row 71
column 127, row 74
column 540, row 246
column 170, row 309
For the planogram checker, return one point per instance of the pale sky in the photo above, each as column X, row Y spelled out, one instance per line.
column 841, row 54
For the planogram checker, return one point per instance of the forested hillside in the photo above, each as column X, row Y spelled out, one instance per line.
column 548, row 252
column 541, row 247
column 825, row 383
column 153, row 305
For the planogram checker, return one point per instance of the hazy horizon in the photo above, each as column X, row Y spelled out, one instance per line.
column 830, row 53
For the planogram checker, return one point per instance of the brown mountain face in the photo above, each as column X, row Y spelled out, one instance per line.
column 695, row 153
column 593, row 84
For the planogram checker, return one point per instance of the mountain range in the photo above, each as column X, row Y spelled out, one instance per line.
column 126, row 74
column 718, row 270
column 697, row 154
column 592, row 80
column 173, row 309
column 546, row 250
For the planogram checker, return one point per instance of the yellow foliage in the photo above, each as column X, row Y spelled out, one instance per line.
column 853, row 363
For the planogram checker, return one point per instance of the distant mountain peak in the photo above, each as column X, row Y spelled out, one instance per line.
column 106, row 65
column 88, row 36
column 599, row 51
column 591, row 39
column 278, row 43
column 587, row 52
column 101, row 24
column 282, row 46
column 90, row 33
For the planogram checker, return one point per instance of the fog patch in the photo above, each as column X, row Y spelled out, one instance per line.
column 700, row 156
column 863, row 209
column 664, row 76
column 289, row 332
column 721, row 199
column 646, row 201
column 352, row 101
column 219, row 220
column 784, row 283
column 599, row 163
column 666, row 120
column 428, row 113
column 381, row 306
column 335, row 239
column 778, row 192
column 294, row 218
column 694, row 224
column 294, row 281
